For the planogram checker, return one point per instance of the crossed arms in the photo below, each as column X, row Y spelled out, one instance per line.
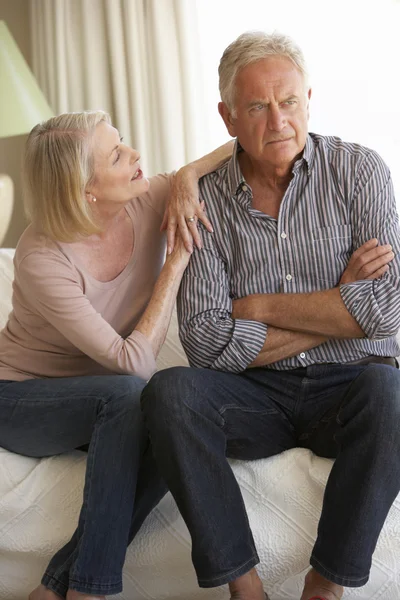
column 261, row 329
column 300, row 322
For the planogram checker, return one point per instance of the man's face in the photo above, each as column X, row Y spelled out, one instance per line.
column 271, row 114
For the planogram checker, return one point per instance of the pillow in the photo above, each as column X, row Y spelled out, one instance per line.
column 6, row 278
column 172, row 354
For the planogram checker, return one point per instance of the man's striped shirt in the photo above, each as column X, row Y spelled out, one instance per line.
column 340, row 196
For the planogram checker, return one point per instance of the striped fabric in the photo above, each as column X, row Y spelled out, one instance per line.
column 340, row 196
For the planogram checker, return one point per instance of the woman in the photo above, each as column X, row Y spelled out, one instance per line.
column 91, row 307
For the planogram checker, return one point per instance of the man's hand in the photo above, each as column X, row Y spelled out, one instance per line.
column 369, row 261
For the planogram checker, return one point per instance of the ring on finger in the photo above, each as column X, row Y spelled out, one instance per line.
column 191, row 219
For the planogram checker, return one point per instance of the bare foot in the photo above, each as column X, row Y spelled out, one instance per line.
column 247, row 587
column 73, row 595
column 42, row 593
column 316, row 585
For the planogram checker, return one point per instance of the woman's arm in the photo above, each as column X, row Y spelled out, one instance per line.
column 184, row 198
column 156, row 318
column 56, row 295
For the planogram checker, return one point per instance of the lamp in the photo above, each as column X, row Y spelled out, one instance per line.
column 22, row 106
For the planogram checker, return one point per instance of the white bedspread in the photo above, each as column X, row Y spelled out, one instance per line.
column 40, row 501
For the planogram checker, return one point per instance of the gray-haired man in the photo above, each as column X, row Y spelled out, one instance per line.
column 289, row 315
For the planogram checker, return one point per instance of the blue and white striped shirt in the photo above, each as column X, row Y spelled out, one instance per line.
column 340, row 196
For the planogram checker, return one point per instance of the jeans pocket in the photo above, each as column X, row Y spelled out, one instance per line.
column 256, row 433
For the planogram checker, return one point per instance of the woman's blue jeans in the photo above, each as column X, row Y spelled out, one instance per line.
column 197, row 417
column 43, row 417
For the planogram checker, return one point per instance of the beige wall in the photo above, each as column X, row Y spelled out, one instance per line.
column 16, row 14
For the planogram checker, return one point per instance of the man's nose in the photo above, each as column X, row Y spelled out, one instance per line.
column 276, row 120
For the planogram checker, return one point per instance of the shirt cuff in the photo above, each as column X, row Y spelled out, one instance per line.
column 247, row 340
column 359, row 299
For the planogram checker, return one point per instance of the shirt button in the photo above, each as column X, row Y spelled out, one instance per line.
column 244, row 188
column 283, row 235
column 302, row 355
column 289, row 277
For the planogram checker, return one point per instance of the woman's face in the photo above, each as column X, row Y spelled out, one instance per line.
column 117, row 174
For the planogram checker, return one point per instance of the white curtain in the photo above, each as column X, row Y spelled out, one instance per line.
column 136, row 59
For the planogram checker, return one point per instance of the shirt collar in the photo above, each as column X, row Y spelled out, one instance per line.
column 235, row 176
column 309, row 153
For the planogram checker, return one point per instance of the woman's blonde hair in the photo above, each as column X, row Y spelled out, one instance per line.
column 58, row 166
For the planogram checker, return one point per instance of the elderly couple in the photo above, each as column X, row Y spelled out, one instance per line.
column 289, row 302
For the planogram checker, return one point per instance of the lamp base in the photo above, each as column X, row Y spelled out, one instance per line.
column 6, row 204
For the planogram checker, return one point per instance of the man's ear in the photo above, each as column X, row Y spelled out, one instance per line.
column 308, row 102
column 227, row 118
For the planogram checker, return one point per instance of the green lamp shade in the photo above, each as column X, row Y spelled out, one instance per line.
column 22, row 104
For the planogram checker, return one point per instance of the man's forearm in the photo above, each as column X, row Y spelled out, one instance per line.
column 322, row 313
column 282, row 343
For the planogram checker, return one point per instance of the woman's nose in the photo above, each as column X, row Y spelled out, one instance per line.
column 135, row 155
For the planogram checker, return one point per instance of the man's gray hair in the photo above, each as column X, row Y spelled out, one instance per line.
column 251, row 47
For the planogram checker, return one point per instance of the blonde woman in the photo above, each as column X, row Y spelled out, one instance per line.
column 91, row 307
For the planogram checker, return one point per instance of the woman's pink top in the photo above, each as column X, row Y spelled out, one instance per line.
column 65, row 323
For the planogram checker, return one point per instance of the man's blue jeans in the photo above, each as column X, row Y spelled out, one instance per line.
column 43, row 417
column 197, row 417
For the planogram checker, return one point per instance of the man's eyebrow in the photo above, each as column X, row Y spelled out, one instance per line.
column 257, row 102
column 289, row 96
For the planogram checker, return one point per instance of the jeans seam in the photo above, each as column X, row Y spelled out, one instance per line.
column 335, row 575
column 88, row 478
column 226, row 407
column 52, row 583
column 346, row 396
column 212, row 579
column 61, row 568
column 50, row 576
column 105, row 586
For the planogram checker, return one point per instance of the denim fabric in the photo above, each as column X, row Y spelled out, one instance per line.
column 197, row 417
column 43, row 417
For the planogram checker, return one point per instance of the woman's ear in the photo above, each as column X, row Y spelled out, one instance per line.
column 90, row 197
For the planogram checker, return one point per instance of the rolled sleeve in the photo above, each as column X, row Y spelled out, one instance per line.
column 245, row 344
column 375, row 305
column 359, row 300
column 210, row 337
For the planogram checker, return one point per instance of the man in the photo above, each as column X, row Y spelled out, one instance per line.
column 289, row 314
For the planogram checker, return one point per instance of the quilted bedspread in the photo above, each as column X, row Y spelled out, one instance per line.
column 40, row 502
